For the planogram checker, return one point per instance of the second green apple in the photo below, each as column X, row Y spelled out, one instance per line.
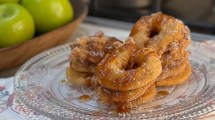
column 49, row 14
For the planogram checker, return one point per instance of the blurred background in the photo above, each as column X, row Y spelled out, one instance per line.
column 199, row 15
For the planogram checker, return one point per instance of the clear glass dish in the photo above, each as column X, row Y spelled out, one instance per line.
column 41, row 85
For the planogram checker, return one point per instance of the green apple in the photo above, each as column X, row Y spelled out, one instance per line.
column 7, row 1
column 16, row 24
column 49, row 14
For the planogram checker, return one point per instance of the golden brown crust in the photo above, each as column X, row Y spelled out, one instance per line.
column 148, row 96
column 158, row 31
column 78, row 78
column 175, row 80
column 111, row 96
column 173, row 68
column 113, row 73
column 88, row 51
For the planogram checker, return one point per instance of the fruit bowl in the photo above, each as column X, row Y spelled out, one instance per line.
column 18, row 54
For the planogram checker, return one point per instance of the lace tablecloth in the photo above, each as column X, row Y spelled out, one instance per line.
column 10, row 108
column 13, row 109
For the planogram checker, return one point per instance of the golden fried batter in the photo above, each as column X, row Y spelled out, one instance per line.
column 112, row 96
column 175, row 80
column 88, row 51
column 113, row 74
column 146, row 97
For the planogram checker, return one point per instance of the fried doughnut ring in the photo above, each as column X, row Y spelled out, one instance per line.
column 148, row 96
column 112, row 72
column 174, row 52
column 88, row 51
column 175, row 80
column 110, row 96
column 175, row 67
column 158, row 31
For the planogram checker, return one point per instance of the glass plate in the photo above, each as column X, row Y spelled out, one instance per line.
column 41, row 85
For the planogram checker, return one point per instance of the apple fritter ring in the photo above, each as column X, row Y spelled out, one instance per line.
column 128, row 68
column 111, row 96
column 174, row 52
column 88, row 51
column 158, row 31
column 175, row 80
column 78, row 78
column 174, row 68
column 146, row 97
